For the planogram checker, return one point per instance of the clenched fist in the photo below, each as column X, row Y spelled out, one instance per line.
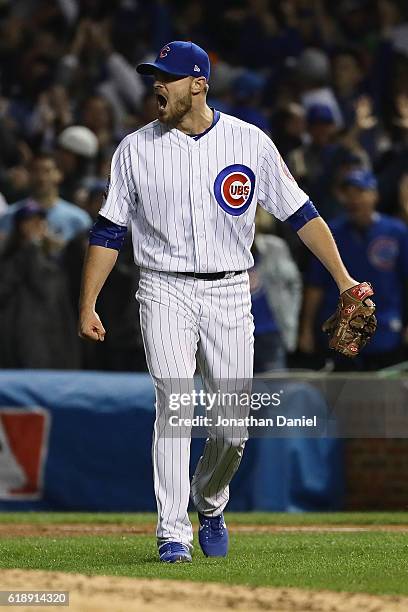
column 90, row 326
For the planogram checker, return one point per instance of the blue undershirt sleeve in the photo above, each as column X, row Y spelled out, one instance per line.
column 306, row 213
column 107, row 234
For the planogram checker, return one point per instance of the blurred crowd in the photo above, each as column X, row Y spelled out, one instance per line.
column 329, row 83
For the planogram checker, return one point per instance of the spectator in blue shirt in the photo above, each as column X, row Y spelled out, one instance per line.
column 64, row 219
column 312, row 162
column 374, row 247
column 247, row 88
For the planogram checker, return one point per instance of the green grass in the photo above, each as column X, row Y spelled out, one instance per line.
column 248, row 518
column 371, row 562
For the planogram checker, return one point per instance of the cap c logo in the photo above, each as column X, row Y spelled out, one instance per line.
column 234, row 189
column 164, row 52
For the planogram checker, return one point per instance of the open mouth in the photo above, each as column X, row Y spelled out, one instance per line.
column 162, row 101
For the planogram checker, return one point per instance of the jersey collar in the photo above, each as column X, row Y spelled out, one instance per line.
column 216, row 116
column 375, row 218
column 194, row 140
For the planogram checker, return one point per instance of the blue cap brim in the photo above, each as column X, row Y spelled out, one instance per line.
column 149, row 67
column 29, row 215
column 366, row 185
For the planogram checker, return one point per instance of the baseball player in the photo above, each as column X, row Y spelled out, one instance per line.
column 188, row 185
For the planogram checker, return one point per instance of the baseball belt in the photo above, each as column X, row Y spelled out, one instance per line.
column 211, row 276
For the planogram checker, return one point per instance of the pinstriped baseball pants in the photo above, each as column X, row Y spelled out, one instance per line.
column 186, row 323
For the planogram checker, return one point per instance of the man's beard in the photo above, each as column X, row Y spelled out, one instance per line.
column 181, row 107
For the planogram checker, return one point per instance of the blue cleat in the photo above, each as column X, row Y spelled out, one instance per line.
column 174, row 552
column 213, row 535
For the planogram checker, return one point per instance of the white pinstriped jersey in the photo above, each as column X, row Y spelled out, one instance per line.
column 191, row 203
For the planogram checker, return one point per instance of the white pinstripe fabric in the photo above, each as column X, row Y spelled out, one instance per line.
column 162, row 183
column 181, row 318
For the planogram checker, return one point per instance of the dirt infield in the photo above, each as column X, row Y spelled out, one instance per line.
column 113, row 594
column 82, row 529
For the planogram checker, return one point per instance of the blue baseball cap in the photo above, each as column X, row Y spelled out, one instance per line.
column 320, row 113
column 29, row 209
column 248, row 83
column 364, row 179
column 179, row 58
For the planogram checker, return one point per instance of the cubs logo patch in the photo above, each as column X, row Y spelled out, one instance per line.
column 234, row 188
column 383, row 252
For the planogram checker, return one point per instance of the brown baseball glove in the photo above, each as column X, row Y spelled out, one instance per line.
column 354, row 322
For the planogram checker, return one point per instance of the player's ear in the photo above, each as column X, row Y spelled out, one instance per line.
column 198, row 85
